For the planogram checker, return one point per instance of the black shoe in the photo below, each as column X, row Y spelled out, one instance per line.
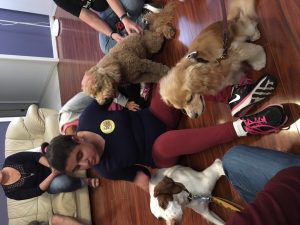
column 245, row 97
column 269, row 120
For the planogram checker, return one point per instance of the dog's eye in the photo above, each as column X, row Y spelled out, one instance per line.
column 160, row 218
column 190, row 99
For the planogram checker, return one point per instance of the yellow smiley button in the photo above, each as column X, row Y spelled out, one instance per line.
column 107, row 126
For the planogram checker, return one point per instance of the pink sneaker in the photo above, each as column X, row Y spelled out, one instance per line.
column 269, row 120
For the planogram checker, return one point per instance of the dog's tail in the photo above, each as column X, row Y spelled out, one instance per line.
column 158, row 21
column 241, row 8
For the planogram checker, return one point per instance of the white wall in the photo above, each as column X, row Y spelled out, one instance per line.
column 24, row 79
column 44, row 7
column 51, row 97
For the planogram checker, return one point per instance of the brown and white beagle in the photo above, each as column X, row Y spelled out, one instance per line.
column 172, row 189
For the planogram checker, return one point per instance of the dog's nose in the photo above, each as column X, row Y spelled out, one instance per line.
column 194, row 115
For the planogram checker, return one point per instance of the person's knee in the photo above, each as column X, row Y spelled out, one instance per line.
column 60, row 184
column 133, row 7
column 161, row 152
column 234, row 156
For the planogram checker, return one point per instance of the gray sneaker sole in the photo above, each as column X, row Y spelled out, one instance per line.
column 258, row 94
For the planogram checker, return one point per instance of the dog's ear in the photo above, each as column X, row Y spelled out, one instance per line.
column 163, row 200
column 205, row 79
column 88, row 83
column 111, row 70
column 168, row 186
column 165, row 189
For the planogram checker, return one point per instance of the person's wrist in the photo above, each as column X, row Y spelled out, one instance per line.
column 111, row 34
column 125, row 15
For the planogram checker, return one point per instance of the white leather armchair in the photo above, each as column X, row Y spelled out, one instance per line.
column 24, row 133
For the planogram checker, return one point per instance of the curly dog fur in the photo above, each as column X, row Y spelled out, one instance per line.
column 200, row 74
column 127, row 62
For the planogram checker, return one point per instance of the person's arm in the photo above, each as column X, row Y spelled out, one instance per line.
column 130, row 26
column 123, row 101
column 127, row 174
column 120, row 99
column 44, row 161
column 94, row 21
column 278, row 203
column 77, row 103
column 46, row 183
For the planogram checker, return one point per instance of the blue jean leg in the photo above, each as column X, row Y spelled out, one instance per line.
column 133, row 7
column 64, row 183
column 250, row 168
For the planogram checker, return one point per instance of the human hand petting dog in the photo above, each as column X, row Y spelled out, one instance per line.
column 131, row 27
column 132, row 106
column 117, row 37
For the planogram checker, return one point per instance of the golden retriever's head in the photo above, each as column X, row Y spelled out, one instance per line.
column 186, row 84
column 101, row 82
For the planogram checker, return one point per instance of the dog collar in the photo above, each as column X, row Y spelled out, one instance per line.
column 202, row 198
column 194, row 55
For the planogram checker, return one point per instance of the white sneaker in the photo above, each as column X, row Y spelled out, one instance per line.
column 152, row 7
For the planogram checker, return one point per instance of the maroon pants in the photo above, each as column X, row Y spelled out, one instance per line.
column 174, row 143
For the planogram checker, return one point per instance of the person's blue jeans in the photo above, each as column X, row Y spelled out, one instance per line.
column 133, row 7
column 64, row 183
column 250, row 168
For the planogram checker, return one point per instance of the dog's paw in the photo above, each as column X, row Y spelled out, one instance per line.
column 169, row 32
column 259, row 59
column 260, row 63
column 256, row 35
column 219, row 166
column 165, row 69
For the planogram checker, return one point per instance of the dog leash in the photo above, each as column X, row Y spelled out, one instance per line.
column 220, row 201
column 225, row 34
column 226, row 203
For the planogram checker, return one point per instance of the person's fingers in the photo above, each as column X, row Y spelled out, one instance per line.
column 97, row 182
column 135, row 106
column 117, row 37
column 93, row 182
column 129, row 30
column 140, row 30
column 137, row 29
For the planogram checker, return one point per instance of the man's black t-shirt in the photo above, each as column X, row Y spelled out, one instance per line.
column 74, row 6
column 129, row 137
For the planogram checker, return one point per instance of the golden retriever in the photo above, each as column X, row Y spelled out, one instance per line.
column 127, row 62
column 200, row 73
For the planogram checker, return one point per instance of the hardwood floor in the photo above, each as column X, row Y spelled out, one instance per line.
column 120, row 202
